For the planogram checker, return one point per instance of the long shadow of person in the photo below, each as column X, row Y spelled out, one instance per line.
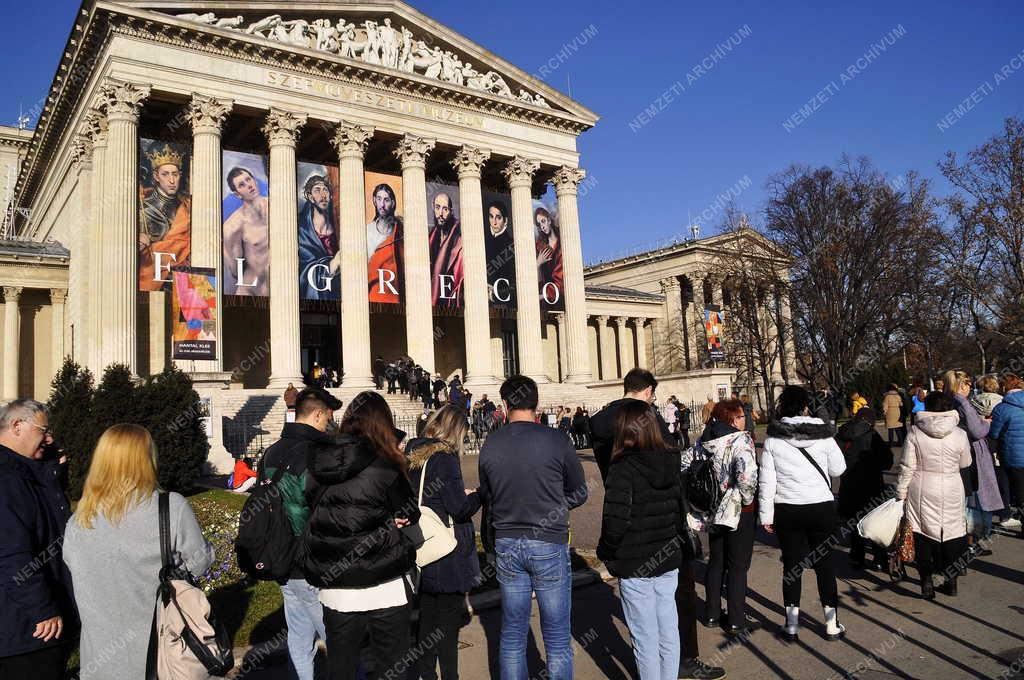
column 595, row 609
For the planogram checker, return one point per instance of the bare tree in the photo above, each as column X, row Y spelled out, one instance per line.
column 859, row 243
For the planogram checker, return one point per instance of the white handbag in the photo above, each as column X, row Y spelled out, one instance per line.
column 881, row 524
column 438, row 538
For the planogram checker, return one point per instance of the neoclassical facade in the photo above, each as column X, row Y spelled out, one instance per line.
column 358, row 91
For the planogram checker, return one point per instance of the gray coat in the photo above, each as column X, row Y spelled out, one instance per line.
column 115, row 572
column 988, row 496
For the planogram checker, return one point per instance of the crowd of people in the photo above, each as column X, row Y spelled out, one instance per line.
column 354, row 497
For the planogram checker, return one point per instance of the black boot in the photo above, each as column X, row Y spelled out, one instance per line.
column 949, row 587
column 927, row 587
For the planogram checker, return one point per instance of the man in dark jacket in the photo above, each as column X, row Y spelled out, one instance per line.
column 36, row 606
column 638, row 384
column 314, row 411
column 531, row 477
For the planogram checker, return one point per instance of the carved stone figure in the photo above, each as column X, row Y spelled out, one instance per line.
column 326, row 36
column 497, row 84
column 387, row 38
column 371, row 50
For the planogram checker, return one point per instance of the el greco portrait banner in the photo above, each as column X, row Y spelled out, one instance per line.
column 445, row 239
column 500, row 249
column 548, row 238
column 245, row 211
column 384, row 233
column 193, row 313
column 714, row 320
column 319, row 259
column 165, row 212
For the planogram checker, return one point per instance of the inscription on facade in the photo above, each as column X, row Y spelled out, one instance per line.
column 387, row 102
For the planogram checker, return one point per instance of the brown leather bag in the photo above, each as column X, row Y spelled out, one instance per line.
column 905, row 542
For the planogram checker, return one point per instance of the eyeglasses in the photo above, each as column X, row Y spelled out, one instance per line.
column 45, row 430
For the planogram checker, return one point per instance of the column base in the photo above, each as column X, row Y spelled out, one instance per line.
column 481, row 381
column 281, row 382
column 579, row 378
column 219, row 461
column 211, row 379
column 357, row 381
column 541, row 379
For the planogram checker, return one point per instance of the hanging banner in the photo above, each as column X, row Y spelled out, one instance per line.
column 193, row 313
column 245, row 211
column 445, row 239
column 500, row 249
column 319, row 260
column 714, row 322
column 165, row 212
column 548, row 239
column 384, row 232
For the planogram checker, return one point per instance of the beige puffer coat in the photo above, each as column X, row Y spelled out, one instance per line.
column 891, row 406
column 929, row 480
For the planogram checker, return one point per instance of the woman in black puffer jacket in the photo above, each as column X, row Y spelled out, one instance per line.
column 355, row 553
column 444, row 583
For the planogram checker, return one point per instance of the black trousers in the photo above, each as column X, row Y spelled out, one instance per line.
column 731, row 552
column 684, row 434
column 1015, row 477
column 389, row 641
column 686, row 607
column 441, row 617
column 43, row 664
column 948, row 557
column 807, row 536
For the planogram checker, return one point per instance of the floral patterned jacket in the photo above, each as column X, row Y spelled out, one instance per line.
column 735, row 465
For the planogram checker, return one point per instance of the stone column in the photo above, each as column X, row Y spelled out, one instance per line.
column 57, row 298
column 625, row 345
column 641, row 342
column 412, row 151
column 562, row 359
column 157, row 331
column 12, row 340
column 673, row 323
column 96, row 125
column 519, row 173
column 78, row 268
column 475, row 305
column 351, row 141
column 282, row 129
column 119, row 228
column 606, row 348
column 566, row 181
column 207, row 116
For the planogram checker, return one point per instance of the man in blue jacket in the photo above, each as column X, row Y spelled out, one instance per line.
column 1008, row 429
column 35, row 595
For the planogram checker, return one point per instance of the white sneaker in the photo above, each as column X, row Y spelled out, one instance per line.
column 1012, row 524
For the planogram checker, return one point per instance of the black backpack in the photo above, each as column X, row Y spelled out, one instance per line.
column 702, row 489
column 266, row 548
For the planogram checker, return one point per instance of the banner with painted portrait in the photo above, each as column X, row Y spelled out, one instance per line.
column 318, row 219
column 193, row 313
column 548, row 238
column 165, row 212
column 245, row 211
column 501, row 251
column 444, row 229
column 714, row 323
column 384, row 237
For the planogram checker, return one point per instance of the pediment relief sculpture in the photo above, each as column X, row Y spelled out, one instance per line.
column 373, row 42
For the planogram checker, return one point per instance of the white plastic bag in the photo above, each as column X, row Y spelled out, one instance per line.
column 881, row 524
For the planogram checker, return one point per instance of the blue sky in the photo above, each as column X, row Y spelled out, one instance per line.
column 724, row 131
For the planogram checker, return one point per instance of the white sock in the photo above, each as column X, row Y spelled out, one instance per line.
column 792, row 619
column 832, row 625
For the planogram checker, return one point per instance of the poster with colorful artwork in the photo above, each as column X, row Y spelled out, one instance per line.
column 500, row 249
column 245, row 211
column 548, row 239
column 319, row 259
column 165, row 212
column 714, row 321
column 384, row 233
column 444, row 235
column 193, row 313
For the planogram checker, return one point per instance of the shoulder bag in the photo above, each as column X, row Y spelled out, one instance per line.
column 810, row 459
column 438, row 538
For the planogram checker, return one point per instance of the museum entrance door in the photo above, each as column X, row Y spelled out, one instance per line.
column 509, row 352
column 320, row 341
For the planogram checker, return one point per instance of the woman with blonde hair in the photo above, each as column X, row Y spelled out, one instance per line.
column 434, row 458
column 980, row 485
column 112, row 549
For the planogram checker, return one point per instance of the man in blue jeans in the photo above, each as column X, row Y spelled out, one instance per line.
column 314, row 411
column 532, row 477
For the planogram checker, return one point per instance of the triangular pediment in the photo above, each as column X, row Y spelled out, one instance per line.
column 385, row 35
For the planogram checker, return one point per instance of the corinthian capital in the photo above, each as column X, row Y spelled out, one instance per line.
column 283, row 127
column 122, row 99
column 351, row 139
column 207, row 114
column 12, row 294
column 81, row 151
column 413, row 150
column 567, row 180
column 669, row 285
column 469, row 160
column 519, row 171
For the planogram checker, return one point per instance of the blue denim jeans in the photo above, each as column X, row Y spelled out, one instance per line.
column 650, row 608
column 527, row 566
column 305, row 618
